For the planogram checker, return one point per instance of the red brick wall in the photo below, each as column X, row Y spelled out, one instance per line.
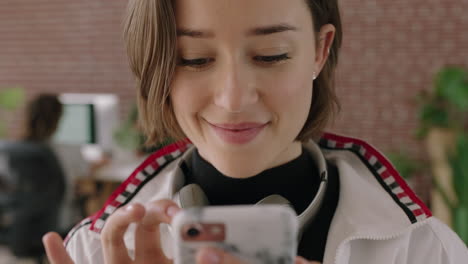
column 64, row 46
column 392, row 49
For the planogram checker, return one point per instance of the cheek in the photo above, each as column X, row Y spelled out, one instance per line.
column 182, row 93
column 290, row 93
column 181, row 101
column 189, row 97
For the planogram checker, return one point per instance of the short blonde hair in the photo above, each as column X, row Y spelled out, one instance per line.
column 150, row 35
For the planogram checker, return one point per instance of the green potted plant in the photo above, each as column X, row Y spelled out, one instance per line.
column 10, row 99
column 444, row 126
column 405, row 164
column 459, row 164
column 127, row 135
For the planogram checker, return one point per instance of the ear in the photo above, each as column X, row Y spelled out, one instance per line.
column 324, row 43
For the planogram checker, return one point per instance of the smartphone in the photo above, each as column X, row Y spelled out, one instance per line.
column 254, row 234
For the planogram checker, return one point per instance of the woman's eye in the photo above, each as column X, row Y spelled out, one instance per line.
column 272, row 59
column 202, row 62
column 199, row 62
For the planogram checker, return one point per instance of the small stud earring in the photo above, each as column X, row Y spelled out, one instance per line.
column 314, row 76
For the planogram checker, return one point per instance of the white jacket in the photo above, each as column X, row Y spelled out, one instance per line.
column 378, row 218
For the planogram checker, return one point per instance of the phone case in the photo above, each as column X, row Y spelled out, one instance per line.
column 254, row 234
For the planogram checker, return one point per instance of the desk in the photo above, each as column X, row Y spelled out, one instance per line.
column 118, row 170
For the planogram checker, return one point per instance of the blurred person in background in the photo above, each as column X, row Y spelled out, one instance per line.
column 35, row 186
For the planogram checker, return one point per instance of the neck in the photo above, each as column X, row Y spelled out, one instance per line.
column 296, row 180
column 229, row 167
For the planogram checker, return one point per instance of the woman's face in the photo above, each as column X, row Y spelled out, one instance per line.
column 243, row 85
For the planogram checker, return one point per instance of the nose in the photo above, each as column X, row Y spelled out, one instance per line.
column 236, row 89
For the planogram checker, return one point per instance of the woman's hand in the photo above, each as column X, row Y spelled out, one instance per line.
column 147, row 237
column 55, row 249
column 216, row 256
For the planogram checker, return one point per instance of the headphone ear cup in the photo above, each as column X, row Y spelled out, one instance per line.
column 189, row 196
column 275, row 199
column 192, row 196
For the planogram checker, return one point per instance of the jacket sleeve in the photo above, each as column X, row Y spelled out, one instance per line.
column 84, row 246
column 454, row 249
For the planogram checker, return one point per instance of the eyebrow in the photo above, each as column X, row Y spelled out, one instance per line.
column 258, row 31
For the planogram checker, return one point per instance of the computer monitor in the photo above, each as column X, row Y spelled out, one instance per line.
column 88, row 119
column 77, row 125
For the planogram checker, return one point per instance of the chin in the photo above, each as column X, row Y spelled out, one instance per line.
column 237, row 162
column 238, row 168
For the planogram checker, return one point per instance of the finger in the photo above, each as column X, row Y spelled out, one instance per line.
column 55, row 250
column 147, row 235
column 112, row 235
column 216, row 256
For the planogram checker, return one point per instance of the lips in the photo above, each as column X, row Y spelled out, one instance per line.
column 241, row 126
column 240, row 133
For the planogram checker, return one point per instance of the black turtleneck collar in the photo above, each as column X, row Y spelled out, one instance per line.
column 297, row 181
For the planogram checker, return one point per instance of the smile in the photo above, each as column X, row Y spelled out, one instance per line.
column 241, row 133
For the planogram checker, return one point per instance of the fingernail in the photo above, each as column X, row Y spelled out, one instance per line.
column 209, row 256
column 129, row 208
column 172, row 210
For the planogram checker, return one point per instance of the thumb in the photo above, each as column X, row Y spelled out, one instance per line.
column 216, row 256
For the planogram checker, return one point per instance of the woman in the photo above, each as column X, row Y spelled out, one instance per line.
column 35, row 199
column 250, row 84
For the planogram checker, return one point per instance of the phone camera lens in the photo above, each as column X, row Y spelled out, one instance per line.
column 193, row 232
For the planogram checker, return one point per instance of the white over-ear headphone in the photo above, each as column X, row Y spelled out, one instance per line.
column 193, row 196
